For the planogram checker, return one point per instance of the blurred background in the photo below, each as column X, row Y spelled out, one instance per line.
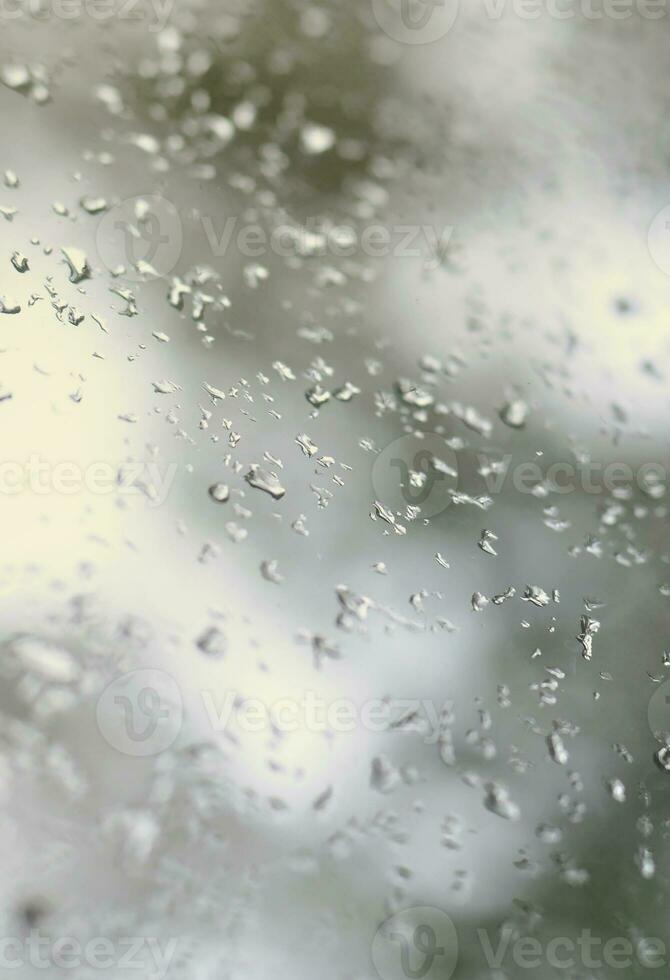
column 291, row 294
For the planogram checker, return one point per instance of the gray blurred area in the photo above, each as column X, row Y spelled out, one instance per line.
column 534, row 152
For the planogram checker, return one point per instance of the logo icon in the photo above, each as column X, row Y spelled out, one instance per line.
column 416, row 471
column 140, row 713
column 415, row 21
column 658, row 239
column 419, row 943
column 143, row 235
column 658, row 710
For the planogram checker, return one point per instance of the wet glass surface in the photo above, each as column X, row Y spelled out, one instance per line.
column 335, row 573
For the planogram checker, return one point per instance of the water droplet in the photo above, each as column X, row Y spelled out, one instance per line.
column 219, row 492
column 20, row 262
column 261, row 479
column 316, row 139
column 10, row 306
column 498, row 801
column 514, row 414
column 589, row 627
column 270, row 573
column 557, row 749
column 46, row 658
column 93, row 205
column 212, row 642
column 384, row 777
column 15, row 76
column 77, row 263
